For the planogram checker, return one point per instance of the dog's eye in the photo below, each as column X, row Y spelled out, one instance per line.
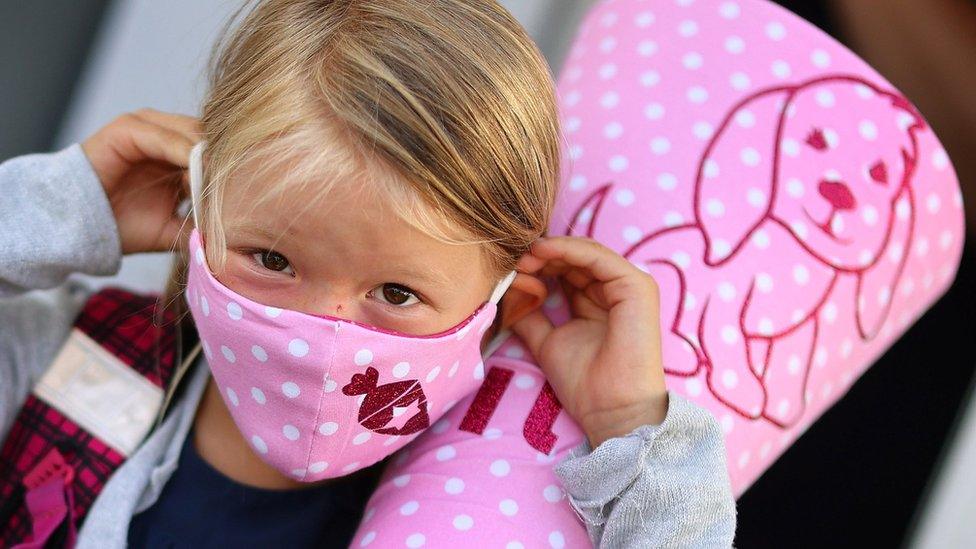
column 817, row 140
column 879, row 172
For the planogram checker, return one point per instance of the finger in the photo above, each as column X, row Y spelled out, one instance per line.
column 559, row 268
column 533, row 328
column 184, row 184
column 578, row 278
column 187, row 125
column 587, row 302
column 544, row 269
column 568, row 289
column 583, row 306
column 618, row 280
column 143, row 140
column 601, row 262
column 529, row 263
column 175, row 234
column 554, row 267
column 596, row 294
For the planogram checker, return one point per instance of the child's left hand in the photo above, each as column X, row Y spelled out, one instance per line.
column 604, row 364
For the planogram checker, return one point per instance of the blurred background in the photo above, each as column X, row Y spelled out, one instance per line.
column 891, row 464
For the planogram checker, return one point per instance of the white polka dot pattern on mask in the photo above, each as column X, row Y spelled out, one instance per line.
column 298, row 347
column 290, row 389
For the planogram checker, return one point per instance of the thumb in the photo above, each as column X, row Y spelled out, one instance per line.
column 533, row 328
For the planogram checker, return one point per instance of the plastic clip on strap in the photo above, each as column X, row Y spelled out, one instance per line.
column 49, row 499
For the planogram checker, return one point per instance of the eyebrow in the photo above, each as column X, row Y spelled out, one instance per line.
column 256, row 229
column 425, row 276
column 405, row 272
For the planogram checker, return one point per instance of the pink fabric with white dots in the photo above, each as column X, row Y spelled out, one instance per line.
column 320, row 397
column 490, row 489
column 796, row 210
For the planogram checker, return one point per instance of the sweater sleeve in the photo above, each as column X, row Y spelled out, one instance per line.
column 54, row 220
column 658, row 486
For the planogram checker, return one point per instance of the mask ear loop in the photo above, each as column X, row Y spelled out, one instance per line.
column 502, row 287
column 505, row 333
column 196, row 179
column 196, row 190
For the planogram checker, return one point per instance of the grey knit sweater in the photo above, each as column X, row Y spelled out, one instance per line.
column 659, row 486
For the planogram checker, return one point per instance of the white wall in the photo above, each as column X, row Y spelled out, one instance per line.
column 149, row 54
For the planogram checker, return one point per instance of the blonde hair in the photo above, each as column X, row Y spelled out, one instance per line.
column 447, row 105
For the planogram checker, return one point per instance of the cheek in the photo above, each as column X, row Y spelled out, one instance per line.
column 429, row 320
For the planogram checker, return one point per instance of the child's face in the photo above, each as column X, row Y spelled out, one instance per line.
column 351, row 257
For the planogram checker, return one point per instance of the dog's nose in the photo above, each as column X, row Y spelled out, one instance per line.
column 837, row 193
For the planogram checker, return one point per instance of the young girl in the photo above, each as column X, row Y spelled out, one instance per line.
column 386, row 167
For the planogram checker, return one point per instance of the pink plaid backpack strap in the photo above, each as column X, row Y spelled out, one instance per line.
column 90, row 410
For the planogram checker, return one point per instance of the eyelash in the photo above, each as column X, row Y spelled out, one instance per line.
column 404, row 289
column 256, row 255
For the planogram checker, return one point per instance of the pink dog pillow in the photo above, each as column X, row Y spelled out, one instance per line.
column 795, row 209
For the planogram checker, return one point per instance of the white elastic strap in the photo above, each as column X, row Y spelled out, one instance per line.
column 496, row 342
column 175, row 381
column 196, row 179
column 502, row 287
column 496, row 295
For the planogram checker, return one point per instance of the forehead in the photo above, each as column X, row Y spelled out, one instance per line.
column 361, row 214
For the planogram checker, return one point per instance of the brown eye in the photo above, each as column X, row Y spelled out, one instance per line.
column 396, row 294
column 271, row 260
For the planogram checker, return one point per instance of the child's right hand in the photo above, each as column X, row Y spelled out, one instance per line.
column 141, row 159
column 605, row 363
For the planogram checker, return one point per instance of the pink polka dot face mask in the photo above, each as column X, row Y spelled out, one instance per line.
column 318, row 396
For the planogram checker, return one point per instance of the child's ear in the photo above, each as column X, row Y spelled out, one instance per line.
column 526, row 294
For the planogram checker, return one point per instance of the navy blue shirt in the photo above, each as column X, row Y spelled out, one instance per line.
column 201, row 507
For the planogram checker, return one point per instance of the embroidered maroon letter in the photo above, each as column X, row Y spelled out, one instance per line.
column 487, row 399
column 538, row 425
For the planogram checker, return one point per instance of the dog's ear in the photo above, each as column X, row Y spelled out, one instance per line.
column 876, row 285
column 583, row 222
column 736, row 174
